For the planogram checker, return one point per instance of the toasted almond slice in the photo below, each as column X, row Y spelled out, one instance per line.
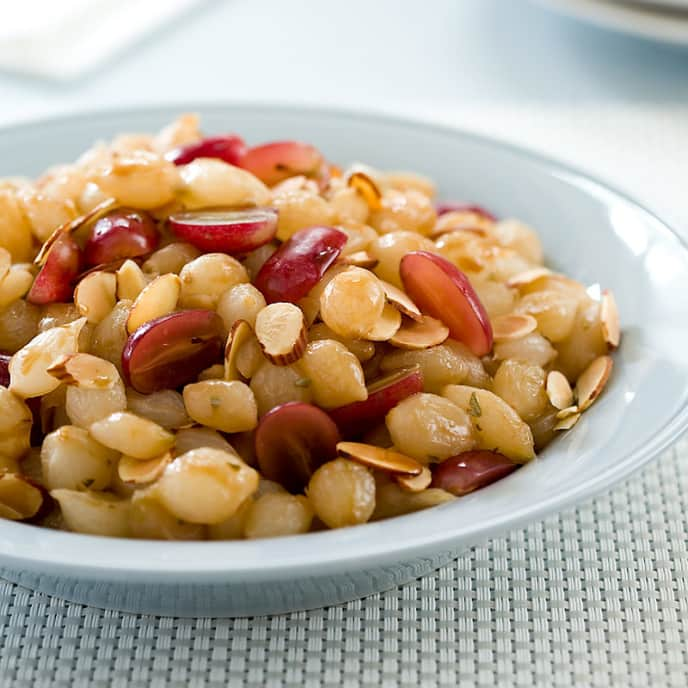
column 559, row 390
column 590, row 384
column 19, row 497
column 528, row 277
column 568, row 411
column 157, row 299
column 367, row 188
column 359, row 259
column 513, row 326
column 240, row 333
column 415, row 483
column 609, row 319
column 401, row 301
column 71, row 226
column 130, row 280
column 387, row 326
column 85, row 371
column 96, row 295
column 282, row 333
column 414, row 335
column 568, row 422
column 139, row 472
column 377, row 457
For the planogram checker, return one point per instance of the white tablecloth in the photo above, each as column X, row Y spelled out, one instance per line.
column 594, row 596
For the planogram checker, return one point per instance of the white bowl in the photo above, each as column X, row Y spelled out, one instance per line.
column 591, row 232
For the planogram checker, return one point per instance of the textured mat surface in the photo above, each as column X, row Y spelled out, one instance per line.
column 594, row 596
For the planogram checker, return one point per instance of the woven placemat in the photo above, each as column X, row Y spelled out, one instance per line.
column 595, row 596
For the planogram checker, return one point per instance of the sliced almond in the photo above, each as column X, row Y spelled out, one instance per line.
column 513, row 326
column 528, row 277
column 415, row 483
column 401, row 301
column 240, row 333
column 69, row 227
column 414, row 335
column 568, row 422
column 157, row 299
column 387, row 326
column 379, row 458
column 96, row 295
column 558, row 390
column 282, row 333
column 359, row 259
column 367, row 188
column 592, row 381
column 130, row 280
column 609, row 320
column 568, row 411
column 140, row 472
column 85, row 371
column 19, row 497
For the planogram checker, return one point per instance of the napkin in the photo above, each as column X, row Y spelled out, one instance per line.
column 63, row 39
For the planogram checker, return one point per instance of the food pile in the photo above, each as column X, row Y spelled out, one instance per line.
column 206, row 340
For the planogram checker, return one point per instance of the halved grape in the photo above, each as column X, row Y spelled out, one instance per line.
column 299, row 263
column 54, row 281
column 292, row 441
column 273, row 162
column 123, row 233
column 470, row 471
column 383, row 395
column 227, row 231
column 441, row 290
column 171, row 351
column 230, row 148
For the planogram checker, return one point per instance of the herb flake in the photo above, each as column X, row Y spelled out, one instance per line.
column 474, row 406
column 303, row 382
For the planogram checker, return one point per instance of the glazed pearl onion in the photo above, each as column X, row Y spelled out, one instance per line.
column 131, row 435
column 206, row 485
column 352, row 303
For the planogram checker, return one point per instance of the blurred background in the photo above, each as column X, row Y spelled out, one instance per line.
column 556, row 76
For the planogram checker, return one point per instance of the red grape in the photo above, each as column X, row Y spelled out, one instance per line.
column 172, row 350
column 53, row 282
column 227, row 231
column 441, row 290
column 470, row 471
column 123, row 233
column 229, row 148
column 292, row 441
column 299, row 263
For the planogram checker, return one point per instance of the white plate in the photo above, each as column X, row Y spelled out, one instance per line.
column 590, row 231
column 649, row 21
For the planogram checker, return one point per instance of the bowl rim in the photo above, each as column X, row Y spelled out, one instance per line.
column 346, row 549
